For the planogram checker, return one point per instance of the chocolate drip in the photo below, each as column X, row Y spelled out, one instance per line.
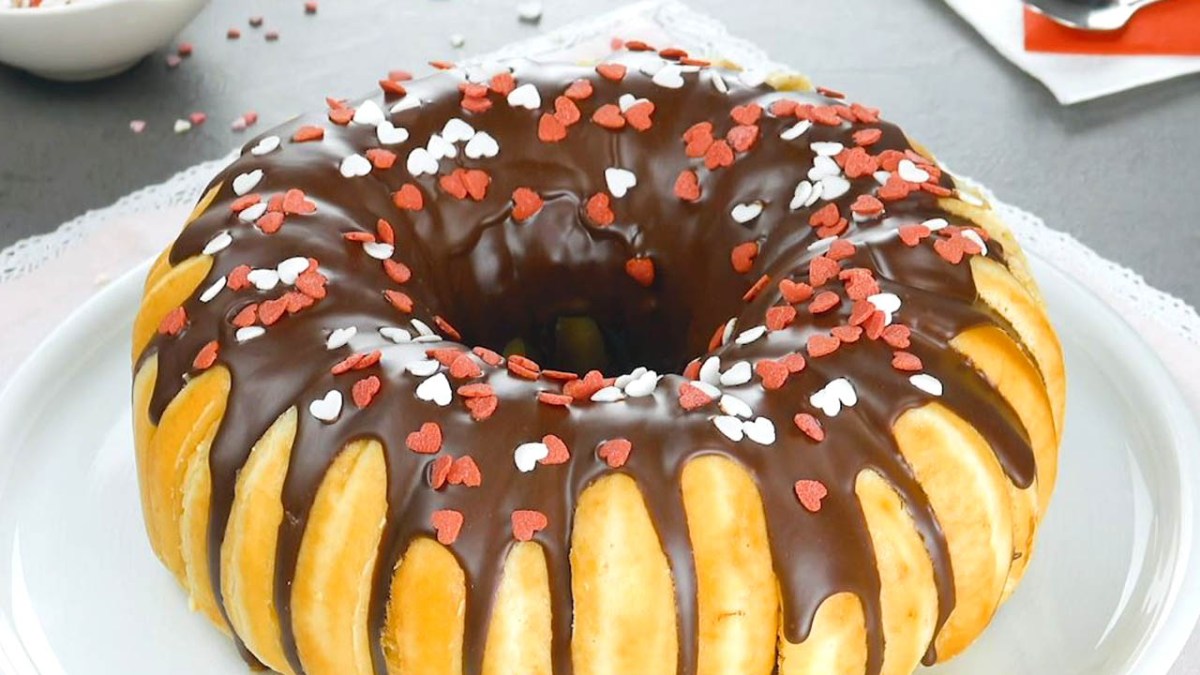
column 495, row 279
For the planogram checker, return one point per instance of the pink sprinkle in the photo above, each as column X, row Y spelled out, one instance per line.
column 173, row 60
column 185, row 49
column 197, row 118
column 233, row 33
column 251, row 118
column 238, row 124
column 310, row 7
column 272, row 35
column 137, row 126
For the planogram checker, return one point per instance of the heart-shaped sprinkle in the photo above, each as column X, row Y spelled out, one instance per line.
column 263, row 279
column 381, row 159
column 750, row 335
column 290, row 269
column 464, row 471
column 641, row 270
column 729, row 426
column 407, row 103
column 822, row 345
column 482, row 407
column 369, row 113
column 525, row 96
column 423, row 368
column 526, row 203
column 912, row 173
column 246, row 182
column 615, row 452
column 710, row 371
column 420, row 162
column 669, row 76
column 248, row 333
column 865, row 137
column 610, row 394
column 525, row 524
column 213, row 289
column 810, row 426
column 761, row 430
column 823, row 167
column 742, row 256
column 557, row 451
column 643, row 385
column 837, row 393
column 974, row 238
column 355, row 166
column 388, row 134
column 811, row 493
column 744, row 213
column 252, row 213
column 824, row 301
column 551, row 129
column 439, row 148
column 718, row 155
column 599, row 210
column 906, row 361
column 718, row 82
column 364, row 391
column 692, row 397
column 687, row 186
column 780, row 317
column 897, row 336
column 409, row 197
column 927, row 383
column 737, row 374
column 481, row 145
column 732, row 405
column 425, row 441
column 218, row 243
column 796, row 130
column 795, row 292
column 435, row 389
column 827, row 148
column 456, row 130
column 774, row 374
column 340, row 337
column 609, row 116
column 527, row 456
column 833, row 187
column 566, row 111
column 447, row 523
column 579, row 90
column 464, row 368
column 328, row 407
column 611, row 71
column 639, row 115
column 620, row 181
column 264, row 146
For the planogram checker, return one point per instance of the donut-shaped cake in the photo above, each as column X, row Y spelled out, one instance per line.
column 643, row 366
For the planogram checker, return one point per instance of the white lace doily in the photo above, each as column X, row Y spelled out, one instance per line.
column 661, row 20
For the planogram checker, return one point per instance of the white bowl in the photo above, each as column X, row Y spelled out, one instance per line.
column 89, row 39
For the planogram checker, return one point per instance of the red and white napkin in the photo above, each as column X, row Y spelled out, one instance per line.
column 1160, row 43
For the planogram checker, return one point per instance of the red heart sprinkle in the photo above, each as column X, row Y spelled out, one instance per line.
column 173, row 322
column 475, row 390
column 364, row 391
column 692, row 397
column 488, row 356
column 526, row 203
column 271, row 311
column 427, row 440
column 559, row 453
column 840, row 249
column 699, row 130
column 408, row 198
column 453, row 184
column 295, row 203
column 439, row 469
column 795, row 292
column 551, row 129
column 847, row 334
column 312, row 284
column 780, row 317
column 743, row 255
column 951, row 250
column 476, row 104
column 874, row 325
column 865, row 137
column 687, row 186
column 270, row 222
column 824, row 301
column 897, row 336
column 399, row 300
column 810, row 493
column 747, row 114
column 822, row 345
column 912, row 235
column 609, row 116
column 551, row 398
column 719, row 154
column 774, row 374
column 742, row 138
column 566, row 111
column 611, row 71
column 341, row 116
column 638, row 115
column 476, row 181
column 248, row 316
column 381, row 159
column 308, row 133
column 579, row 90
column 598, row 210
column 756, row 288
column 503, row 83
column 482, row 407
column 465, row 368
column 907, row 362
column 826, row 216
column 794, row 362
column 397, row 271
column 244, row 202
column 473, row 89
column 894, row 189
column 525, row 524
column 207, row 356
column 392, row 88
column 810, row 426
column 857, row 163
column 866, row 205
column 821, row 269
column 615, row 452
column 447, row 523
column 464, row 471
column 641, row 270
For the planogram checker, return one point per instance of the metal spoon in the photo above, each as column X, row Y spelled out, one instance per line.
column 1099, row 15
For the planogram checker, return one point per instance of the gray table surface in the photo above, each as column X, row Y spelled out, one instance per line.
column 1122, row 174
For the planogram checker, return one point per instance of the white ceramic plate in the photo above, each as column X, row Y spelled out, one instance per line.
column 1114, row 587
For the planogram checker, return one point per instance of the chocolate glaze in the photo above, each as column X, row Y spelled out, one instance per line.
column 495, row 279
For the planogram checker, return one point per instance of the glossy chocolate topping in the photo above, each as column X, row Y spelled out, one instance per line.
column 470, row 266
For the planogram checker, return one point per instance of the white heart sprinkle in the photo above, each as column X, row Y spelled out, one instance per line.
column 427, row 338
column 642, row 386
column 732, row 405
column 761, row 430
column 608, row 395
column 651, row 66
column 422, row 327
column 753, row 78
column 456, row 130
column 627, row 101
column 827, row 148
column 911, row 172
column 436, row 389
column 821, row 245
column 727, row 332
column 669, row 76
column 406, row 103
column 885, row 302
column 744, row 213
column 619, row 181
column 378, row 250
column 738, row 373
column 211, row 292
column 927, row 383
column 423, row 368
column 525, row 96
column 529, row 12
column 253, row 212
column 709, row 390
column 389, row 134
column 718, row 82
column 182, row 126
column 249, row 333
column 750, row 335
column 370, row 113
column 441, row 148
column 328, row 408
column 421, row 162
column 624, row 380
column 935, row 224
column 710, row 370
column 730, row 426
column 803, row 191
column 970, row 198
column 218, row 243
column 263, row 279
column 796, row 130
column 289, row 270
column 974, row 236
column 340, row 337
column 481, row 145
column 397, row 335
column 245, row 182
column 833, row 187
column 882, row 177
column 527, row 456
column 823, row 166
column 837, row 393
column 266, row 145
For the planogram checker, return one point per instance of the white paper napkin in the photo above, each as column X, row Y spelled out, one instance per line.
column 1071, row 78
